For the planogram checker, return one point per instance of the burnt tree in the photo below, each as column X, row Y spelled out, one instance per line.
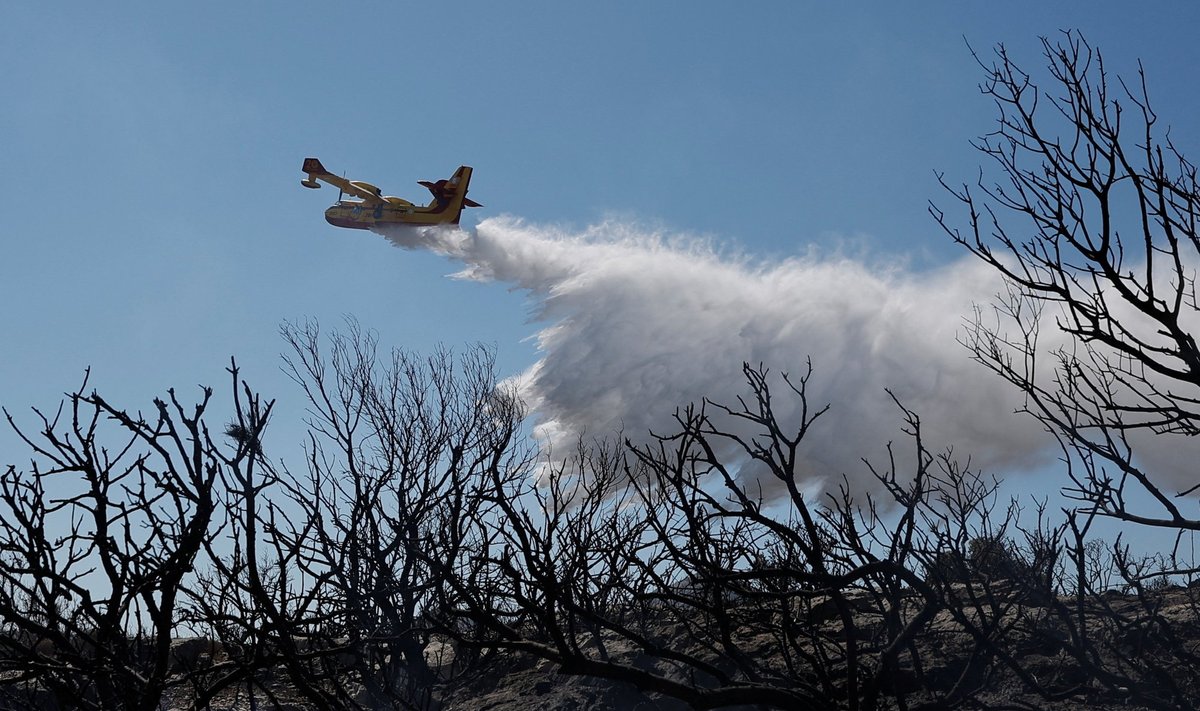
column 1090, row 215
column 99, row 540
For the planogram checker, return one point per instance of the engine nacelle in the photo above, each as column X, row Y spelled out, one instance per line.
column 367, row 187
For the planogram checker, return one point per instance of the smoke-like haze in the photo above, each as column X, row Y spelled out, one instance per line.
column 640, row 324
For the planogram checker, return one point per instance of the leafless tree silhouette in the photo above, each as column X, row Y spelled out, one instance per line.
column 400, row 452
column 1092, row 221
column 99, row 538
column 667, row 567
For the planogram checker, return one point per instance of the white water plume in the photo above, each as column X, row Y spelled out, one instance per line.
column 640, row 324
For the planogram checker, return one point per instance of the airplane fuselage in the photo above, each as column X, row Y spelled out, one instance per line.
column 360, row 216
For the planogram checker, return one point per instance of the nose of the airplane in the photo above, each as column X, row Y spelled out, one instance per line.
column 340, row 218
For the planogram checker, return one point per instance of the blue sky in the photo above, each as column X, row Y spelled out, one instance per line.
column 153, row 224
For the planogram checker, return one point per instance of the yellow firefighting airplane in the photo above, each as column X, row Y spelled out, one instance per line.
column 374, row 208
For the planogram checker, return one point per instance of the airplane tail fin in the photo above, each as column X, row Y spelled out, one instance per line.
column 451, row 195
column 459, row 182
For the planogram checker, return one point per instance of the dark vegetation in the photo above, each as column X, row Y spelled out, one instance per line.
column 160, row 558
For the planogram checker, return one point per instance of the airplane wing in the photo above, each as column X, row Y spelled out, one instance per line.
column 365, row 191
